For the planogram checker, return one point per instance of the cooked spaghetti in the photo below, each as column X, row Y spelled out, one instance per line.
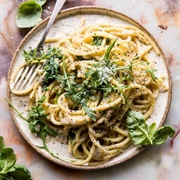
column 90, row 79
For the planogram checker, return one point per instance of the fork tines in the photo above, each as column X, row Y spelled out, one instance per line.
column 25, row 77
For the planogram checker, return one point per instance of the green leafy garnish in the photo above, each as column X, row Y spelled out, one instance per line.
column 8, row 167
column 151, row 72
column 106, row 56
column 37, row 125
column 127, row 71
column 97, row 40
column 51, row 67
column 28, row 14
column 37, row 122
column 143, row 134
column 77, row 92
column 41, row 2
column 32, row 54
column 97, row 79
column 36, row 119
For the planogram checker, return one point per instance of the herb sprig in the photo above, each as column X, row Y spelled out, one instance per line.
column 37, row 125
column 97, row 40
column 128, row 70
column 151, row 72
column 32, row 54
column 51, row 67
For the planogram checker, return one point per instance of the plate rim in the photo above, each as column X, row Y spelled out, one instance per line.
column 74, row 10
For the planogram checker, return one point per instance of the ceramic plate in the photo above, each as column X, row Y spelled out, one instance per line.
column 66, row 22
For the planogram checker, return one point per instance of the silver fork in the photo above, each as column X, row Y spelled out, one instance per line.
column 28, row 73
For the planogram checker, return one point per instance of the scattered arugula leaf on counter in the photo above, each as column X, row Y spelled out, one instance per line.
column 143, row 134
column 41, row 2
column 29, row 13
column 8, row 167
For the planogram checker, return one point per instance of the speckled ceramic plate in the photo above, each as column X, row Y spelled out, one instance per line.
column 66, row 22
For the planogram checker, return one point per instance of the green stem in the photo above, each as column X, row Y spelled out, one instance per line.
column 65, row 75
column 146, row 135
column 19, row 114
column 106, row 56
column 45, row 147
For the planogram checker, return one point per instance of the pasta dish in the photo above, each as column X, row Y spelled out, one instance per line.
column 87, row 81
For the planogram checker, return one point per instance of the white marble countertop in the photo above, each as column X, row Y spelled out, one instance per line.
column 162, row 19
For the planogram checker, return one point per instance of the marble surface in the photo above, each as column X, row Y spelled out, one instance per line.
column 162, row 19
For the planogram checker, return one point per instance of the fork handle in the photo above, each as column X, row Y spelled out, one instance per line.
column 59, row 4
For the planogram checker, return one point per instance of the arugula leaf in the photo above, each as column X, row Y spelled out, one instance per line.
column 8, row 159
column 137, row 128
column 19, row 172
column 37, row 125
column 99, row 77
column 51, row 67
column 151, row 71
column 28, row 14
column 128, row 69
column 31, row 55
column 89, row 112
column 161, row 134
column 69, row 88
column 106, row 56
column 46, row 130
column 2, row 144
column 37, row 112
column 8, row 169
column 41, row 2
column 97, row 40
column 49, row 131
column 144, row 135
